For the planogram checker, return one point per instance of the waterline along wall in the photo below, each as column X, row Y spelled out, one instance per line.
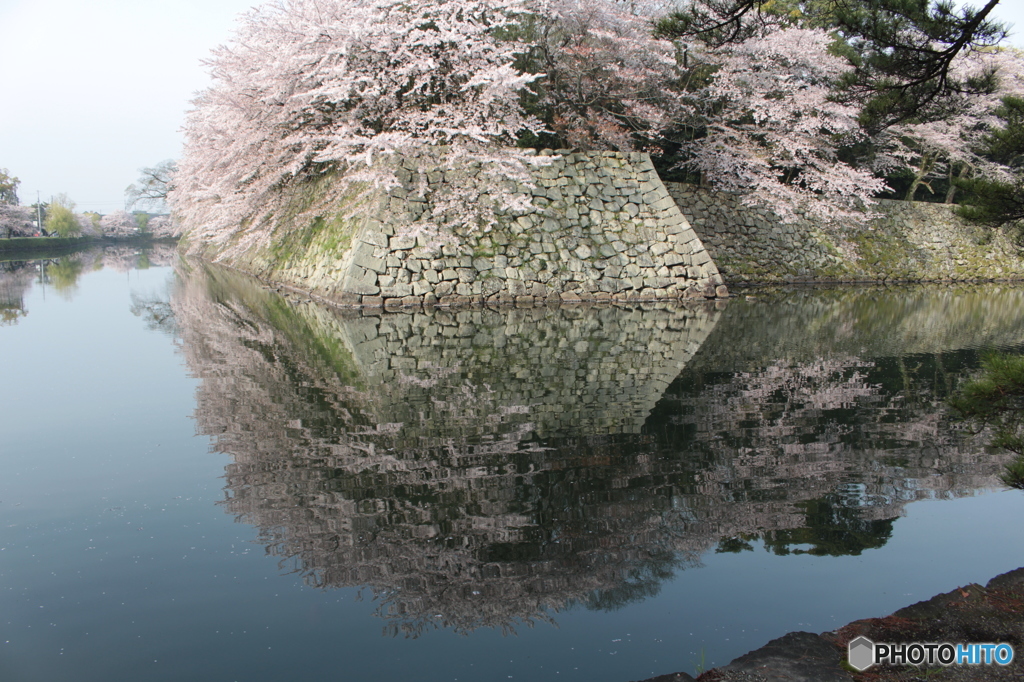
column 909, row 241
column 602, row 227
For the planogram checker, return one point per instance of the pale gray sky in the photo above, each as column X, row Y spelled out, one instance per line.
column 96, row 89
column 93, row 90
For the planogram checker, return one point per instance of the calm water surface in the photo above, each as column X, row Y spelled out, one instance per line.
column 202, row 479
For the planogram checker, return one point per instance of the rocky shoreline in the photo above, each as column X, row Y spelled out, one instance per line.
column 973, row 613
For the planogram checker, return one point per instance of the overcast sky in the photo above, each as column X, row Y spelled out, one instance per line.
column 94, row 90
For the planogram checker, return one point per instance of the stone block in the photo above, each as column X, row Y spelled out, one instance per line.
column 401, row 243
column 396, row 291
column 362, row 255
column 671, row 259
column 361, row 281
column 374, row 237
column 660, row 248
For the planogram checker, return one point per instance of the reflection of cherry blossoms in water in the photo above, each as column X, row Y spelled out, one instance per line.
column 480, row 467
column 15, row 280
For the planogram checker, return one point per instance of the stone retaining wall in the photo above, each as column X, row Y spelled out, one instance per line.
column 911, row 241
column 600, row 226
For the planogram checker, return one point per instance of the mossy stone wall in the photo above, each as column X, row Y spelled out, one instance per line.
column 910, row 241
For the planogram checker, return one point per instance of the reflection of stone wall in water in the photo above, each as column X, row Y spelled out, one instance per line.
column 482, row 467
column 404, row 451
column 802, row 324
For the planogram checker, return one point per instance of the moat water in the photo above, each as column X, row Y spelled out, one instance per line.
column 202, row 479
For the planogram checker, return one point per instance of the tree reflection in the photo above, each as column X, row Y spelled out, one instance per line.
column 15, row 280
column 63, row 275
column 62, row 272
column 155, row 310
column 832, row 529
column 490, row 468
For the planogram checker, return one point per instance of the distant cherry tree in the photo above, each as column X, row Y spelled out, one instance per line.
column 17, row 221
column 118, row 223
column 161, row 226
column 89, row 224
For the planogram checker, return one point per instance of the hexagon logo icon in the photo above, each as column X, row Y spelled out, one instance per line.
column 860, row 653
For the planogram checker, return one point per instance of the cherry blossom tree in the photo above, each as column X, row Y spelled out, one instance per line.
column 162, row 226
column 607, row 82
column 17, row 221
column 903, row 51
column 310, row 87
column 315, row 90
column 119, row 224
column 949, row 148
column 773, row 131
